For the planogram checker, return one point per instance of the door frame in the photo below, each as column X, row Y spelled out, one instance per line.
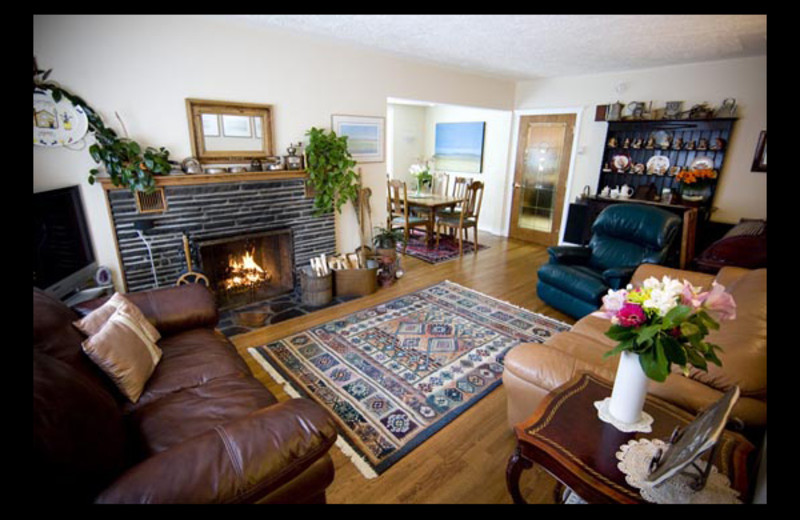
column 512, row 164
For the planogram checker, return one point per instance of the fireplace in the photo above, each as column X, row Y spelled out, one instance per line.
column 246, row 268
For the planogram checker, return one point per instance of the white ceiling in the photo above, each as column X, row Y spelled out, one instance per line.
column 531, row 46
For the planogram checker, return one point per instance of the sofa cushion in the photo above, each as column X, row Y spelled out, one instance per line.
column 192, row 411
column 190, row 359
column 743, row 340
column 124, row 351
column 94, row 321
column 579, row 281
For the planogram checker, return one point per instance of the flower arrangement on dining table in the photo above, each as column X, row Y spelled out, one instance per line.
column 421, row 171
column 666, row 321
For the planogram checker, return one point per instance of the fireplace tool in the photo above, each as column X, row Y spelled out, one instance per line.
column 190, row 275
column 141, row 227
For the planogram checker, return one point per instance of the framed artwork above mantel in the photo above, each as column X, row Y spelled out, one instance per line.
column 229, row 132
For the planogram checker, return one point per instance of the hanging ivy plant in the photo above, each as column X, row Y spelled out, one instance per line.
column 128, row 165
column 330, row 171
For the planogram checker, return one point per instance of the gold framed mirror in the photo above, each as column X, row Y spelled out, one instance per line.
column 228, row 132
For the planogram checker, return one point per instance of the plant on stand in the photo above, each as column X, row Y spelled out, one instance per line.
column 660, row 323
column 330, row 165
column 385, row 241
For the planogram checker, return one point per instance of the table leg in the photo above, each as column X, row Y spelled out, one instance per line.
column 516, row 465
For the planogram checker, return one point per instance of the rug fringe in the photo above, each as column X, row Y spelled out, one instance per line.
column 548, row 318
column 361, row 465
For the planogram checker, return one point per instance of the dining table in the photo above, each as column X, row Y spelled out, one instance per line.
column 431, row 203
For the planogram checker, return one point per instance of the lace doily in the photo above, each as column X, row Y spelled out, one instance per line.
column 635, row 457
column 644, row 424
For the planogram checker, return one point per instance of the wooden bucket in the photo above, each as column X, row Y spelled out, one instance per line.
column 315, row 290
column 356, row 282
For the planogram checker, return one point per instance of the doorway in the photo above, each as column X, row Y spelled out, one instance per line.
column 544, row 153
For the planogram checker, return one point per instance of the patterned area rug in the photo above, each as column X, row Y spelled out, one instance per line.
column 447, row 250
column 394, row 374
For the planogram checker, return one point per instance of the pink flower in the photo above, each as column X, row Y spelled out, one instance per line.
column 631, row 315
column 691, row 296
column 720, row 302
column 612, row 303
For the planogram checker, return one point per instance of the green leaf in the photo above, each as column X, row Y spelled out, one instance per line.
column 655, row 364
column 689, row 329
column 696, row 359
column 647, row 332
column 620, row 333
column 623, row 345
column 673, row 349
column 678, row 314
column 708, row 320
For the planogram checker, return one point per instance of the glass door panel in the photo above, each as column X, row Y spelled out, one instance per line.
column 542, row 164
column 543, row 156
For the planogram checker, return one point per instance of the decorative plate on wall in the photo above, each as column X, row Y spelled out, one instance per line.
column 57, row 123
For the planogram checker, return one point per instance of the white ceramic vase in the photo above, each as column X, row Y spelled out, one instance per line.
column 630, row 389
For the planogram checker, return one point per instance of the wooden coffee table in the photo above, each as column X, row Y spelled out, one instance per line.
column 567, row 439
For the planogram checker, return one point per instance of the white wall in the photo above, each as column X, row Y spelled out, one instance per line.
column 144, row 67
column 408, row 129
column 740, row 193
column 497, row 138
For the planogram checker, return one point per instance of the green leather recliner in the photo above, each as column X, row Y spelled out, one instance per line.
column 623, row 237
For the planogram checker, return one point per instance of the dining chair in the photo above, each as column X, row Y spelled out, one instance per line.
column 397, row 212
column 459, row 190
column 441, row 183
column 464, row 219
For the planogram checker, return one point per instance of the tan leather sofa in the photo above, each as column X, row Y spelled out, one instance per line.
column 532, row 370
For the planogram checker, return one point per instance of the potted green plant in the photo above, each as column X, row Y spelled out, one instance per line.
column 330, row 171
column 386, row 240
column 126, row 162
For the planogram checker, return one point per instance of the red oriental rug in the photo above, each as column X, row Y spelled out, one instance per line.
column 428, row 252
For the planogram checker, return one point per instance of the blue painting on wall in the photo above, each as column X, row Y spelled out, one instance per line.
column 459, row 147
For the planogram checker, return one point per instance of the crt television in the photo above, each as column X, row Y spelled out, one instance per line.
column 63, row 256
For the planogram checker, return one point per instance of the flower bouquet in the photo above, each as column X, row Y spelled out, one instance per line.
column 421, row 171
column 694, row 183
column 665, row 322
column 660, row 323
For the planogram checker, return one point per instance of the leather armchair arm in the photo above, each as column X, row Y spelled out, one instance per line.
column 237, row 462
column 569, row 254
column 618, row 277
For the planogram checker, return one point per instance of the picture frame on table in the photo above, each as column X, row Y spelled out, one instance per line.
column 760, row 157
column 366, row 136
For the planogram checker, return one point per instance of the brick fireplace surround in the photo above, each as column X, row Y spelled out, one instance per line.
column 211, row 206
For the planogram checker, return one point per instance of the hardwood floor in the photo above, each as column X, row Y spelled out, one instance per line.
column 464, row 462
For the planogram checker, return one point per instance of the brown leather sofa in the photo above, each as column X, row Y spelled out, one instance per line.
column 532, row 370
column 203, row 431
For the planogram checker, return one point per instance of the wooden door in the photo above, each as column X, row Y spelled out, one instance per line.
column 544, row 149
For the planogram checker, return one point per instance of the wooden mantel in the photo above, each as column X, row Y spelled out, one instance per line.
column 182, row 179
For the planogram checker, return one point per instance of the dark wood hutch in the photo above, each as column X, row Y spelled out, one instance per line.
column 681, row 142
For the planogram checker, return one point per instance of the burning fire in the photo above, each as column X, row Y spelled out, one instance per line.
column 245, row 272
